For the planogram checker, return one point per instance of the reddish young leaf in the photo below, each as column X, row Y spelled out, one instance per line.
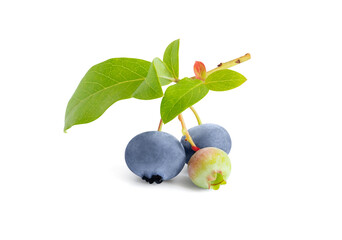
column 200, row 70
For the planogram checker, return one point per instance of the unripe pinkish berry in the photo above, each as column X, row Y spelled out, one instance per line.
column 209, row 168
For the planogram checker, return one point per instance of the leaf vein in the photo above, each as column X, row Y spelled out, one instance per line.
column 97, row 92
column 130, row 70
column 181, row 98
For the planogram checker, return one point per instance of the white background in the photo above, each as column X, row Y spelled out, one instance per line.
column 285, row 121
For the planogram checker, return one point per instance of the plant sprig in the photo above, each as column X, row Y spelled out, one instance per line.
column 122, row 78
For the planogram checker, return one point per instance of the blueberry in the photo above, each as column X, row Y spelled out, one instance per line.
column 155, row 156
column 209, row 168
column 207, row 135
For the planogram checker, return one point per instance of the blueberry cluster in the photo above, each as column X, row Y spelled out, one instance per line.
column 156, row 156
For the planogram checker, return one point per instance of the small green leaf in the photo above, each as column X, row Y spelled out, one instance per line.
column 158, row 75
column 103, row 85
column 171, row 58
column 223, row 80
column 165, row 76
column 150, row 88
column 180, row 96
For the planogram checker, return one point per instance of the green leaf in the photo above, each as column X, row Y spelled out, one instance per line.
column 150, row 88
column 158, row 75
column 165, row 76
column 171, row 58
column 223, row 80
column 180, row 96
column 103, row 85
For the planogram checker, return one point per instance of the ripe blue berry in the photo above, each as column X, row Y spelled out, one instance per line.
column 155, row 156
column 207, row 135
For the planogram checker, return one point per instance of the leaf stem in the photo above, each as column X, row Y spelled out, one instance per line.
column 221, row 66
column 185, row 131
column 160, row 125
column 196, row 115
column 231, row 63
